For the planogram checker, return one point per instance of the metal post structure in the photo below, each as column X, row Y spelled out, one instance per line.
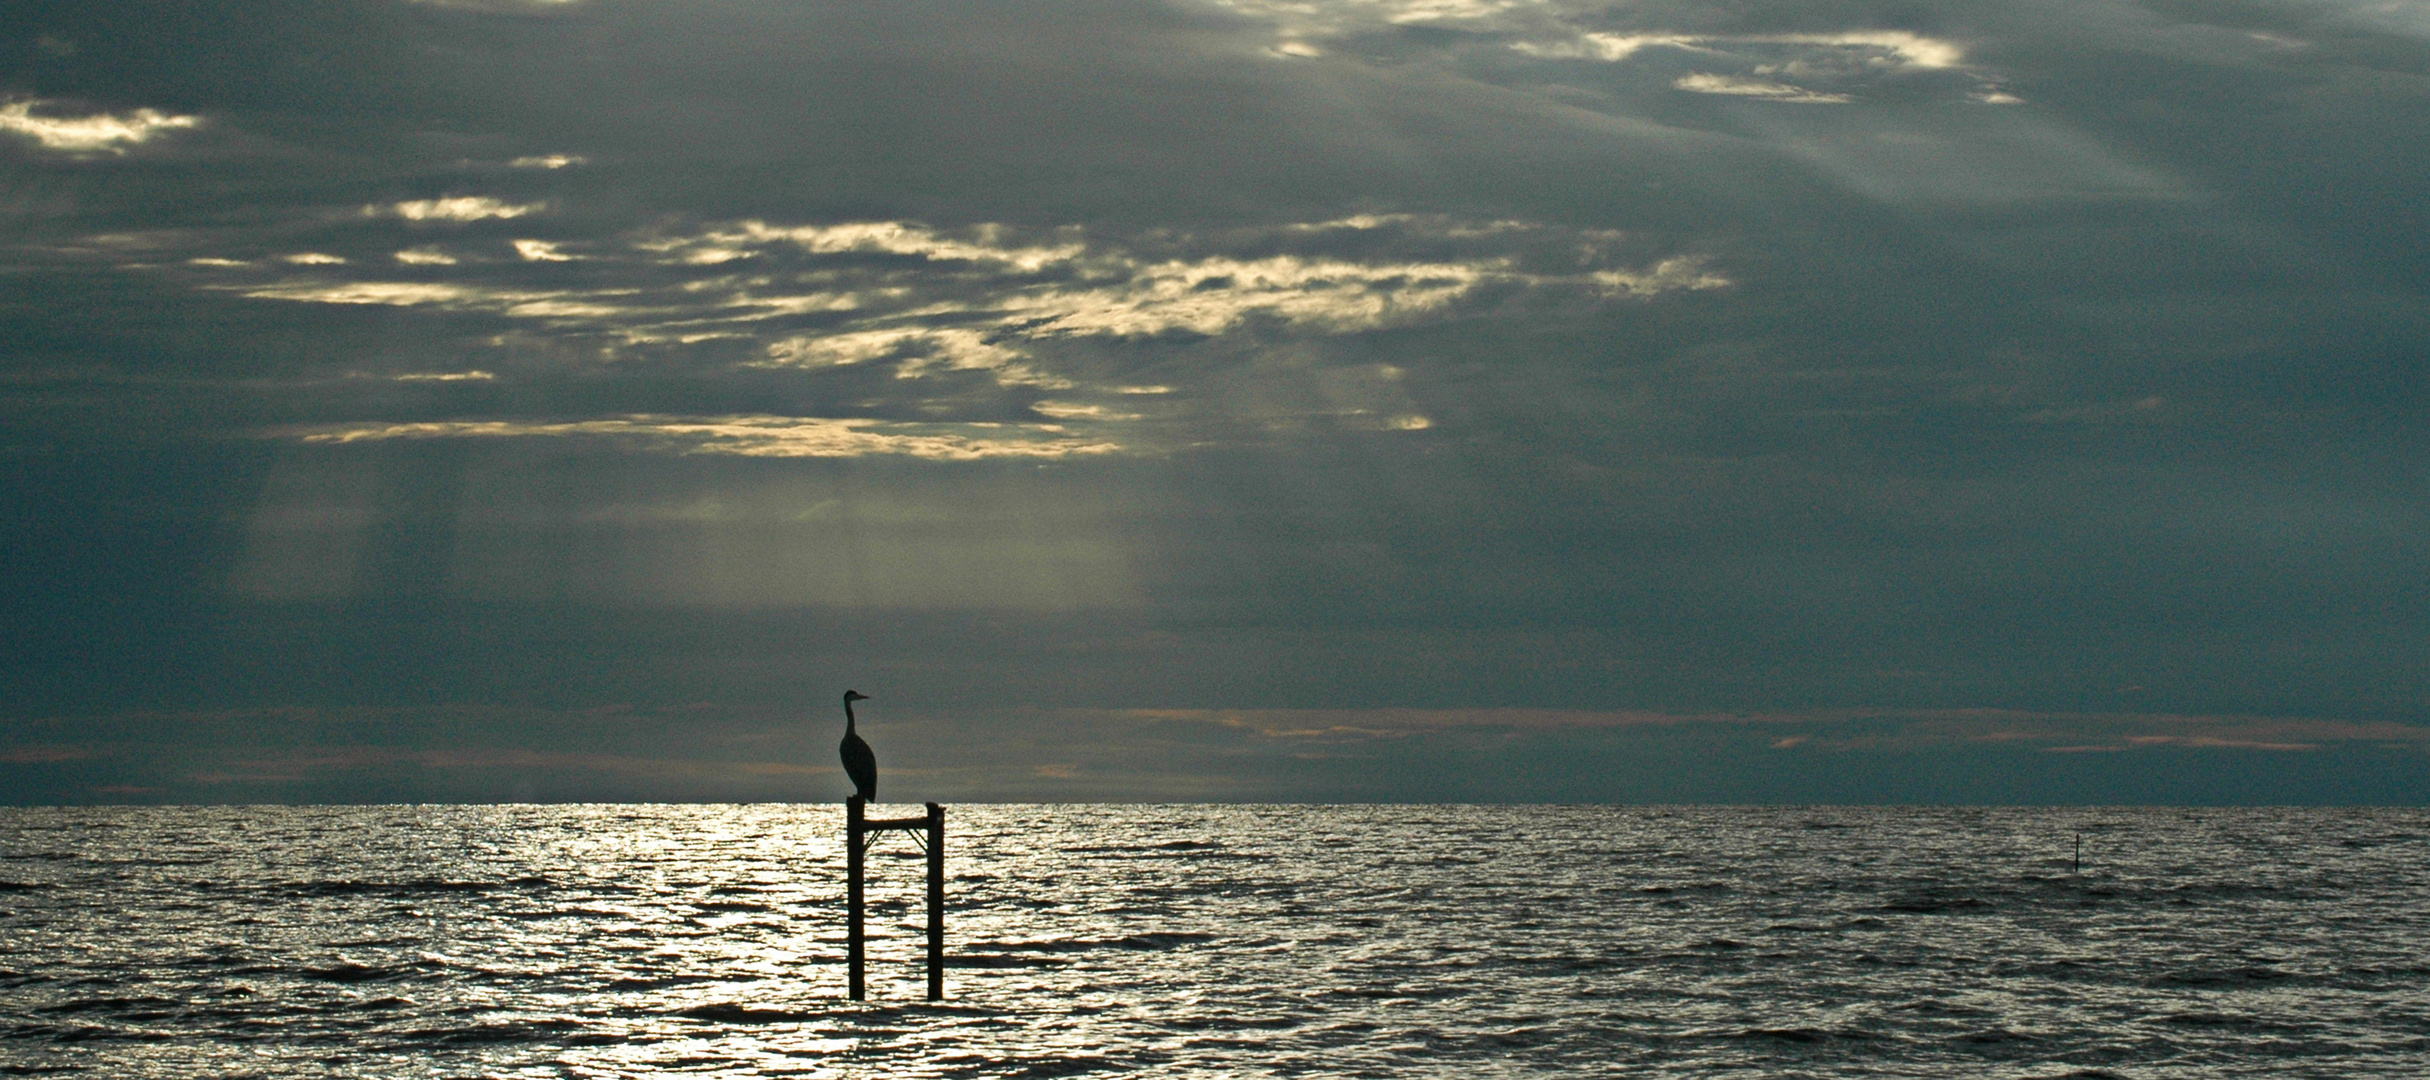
column 936, row 902
column 856, row 842
column 857, row 828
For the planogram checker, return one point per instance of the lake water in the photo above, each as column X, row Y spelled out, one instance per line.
column 1386, row 941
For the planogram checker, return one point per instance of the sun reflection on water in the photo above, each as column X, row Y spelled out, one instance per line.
column 605, row 941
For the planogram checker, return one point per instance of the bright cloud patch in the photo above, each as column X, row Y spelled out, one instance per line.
column 1072, row 410
column 1300, row 18
column 1805, row 68
column 1756, row 88
column 1801, row 68
column 1881, row 48
column 1687, row 272
column 988, row 298
column 1211, row 296
column 1558, row 30
column 540, row 251
column 888, row 237
column 1607, row 47
column 1030, row 311
column 394, row 293
column 110, row 133
column 916, row 352
column 838, row 350
column 755, row 436
column 465, row 208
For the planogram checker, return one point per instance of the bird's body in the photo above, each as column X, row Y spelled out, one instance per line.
column 859, row 762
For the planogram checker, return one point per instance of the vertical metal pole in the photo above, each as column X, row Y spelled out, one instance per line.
column 854, row 813
column 936, row 902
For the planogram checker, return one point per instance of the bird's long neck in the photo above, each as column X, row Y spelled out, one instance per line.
column 848, row 718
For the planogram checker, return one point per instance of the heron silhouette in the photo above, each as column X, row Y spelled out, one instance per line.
column 859, row 763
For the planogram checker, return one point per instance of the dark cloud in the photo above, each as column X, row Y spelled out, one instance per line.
column 453, row 369
column 702, row 751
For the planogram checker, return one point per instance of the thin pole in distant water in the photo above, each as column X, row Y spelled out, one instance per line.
column 2079, row 853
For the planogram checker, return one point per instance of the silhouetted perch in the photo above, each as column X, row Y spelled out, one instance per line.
column 854, row 808
column 857, row 828
column 936, row 902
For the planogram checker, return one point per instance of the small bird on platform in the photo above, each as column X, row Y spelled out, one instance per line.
column 859, row 763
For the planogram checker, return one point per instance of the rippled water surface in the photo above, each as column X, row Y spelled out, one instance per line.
column 1274, row 940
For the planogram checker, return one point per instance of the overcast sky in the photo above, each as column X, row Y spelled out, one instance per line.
column 1408, row 400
